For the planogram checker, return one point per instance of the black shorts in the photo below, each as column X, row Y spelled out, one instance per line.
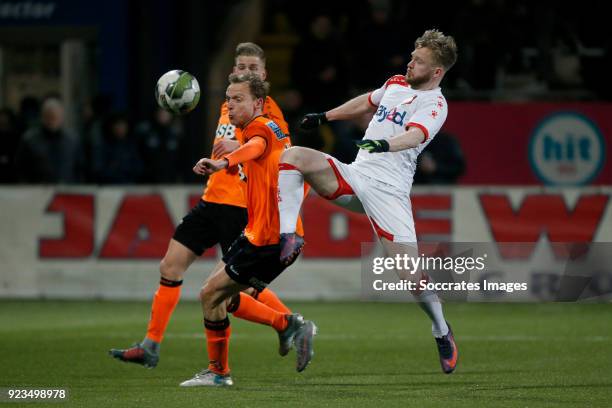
column 252, row 265
column 208, row 224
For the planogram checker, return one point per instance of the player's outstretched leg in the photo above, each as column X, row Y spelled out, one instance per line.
column 297, row 164
column 270, row 299
column 286, row 325
column 291, row 196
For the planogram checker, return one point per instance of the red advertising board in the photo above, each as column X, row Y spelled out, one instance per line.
column 533, row 143
column 142, row 224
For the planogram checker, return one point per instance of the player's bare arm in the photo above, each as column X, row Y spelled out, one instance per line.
column 413, row 137
column 351, row 109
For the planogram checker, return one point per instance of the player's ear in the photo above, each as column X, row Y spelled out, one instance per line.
column 259, row 103
column 264, row 74
column 438, row 72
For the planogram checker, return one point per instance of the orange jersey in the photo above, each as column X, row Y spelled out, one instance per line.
column 228, row 186
column 263, row 227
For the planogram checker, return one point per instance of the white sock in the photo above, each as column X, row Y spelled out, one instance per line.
column 430, row 303
column 290, row 197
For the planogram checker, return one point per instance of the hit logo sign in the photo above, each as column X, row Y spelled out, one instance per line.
column 566, row 149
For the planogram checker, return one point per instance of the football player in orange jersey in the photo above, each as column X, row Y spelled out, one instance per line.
column 218, row 218
column 253, row 260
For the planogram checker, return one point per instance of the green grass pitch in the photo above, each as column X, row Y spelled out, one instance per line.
column 367, row 355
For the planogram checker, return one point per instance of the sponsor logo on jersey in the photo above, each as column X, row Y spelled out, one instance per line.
column 393, row 115
column 226, row 131
column 277, row 130
column 566, row 148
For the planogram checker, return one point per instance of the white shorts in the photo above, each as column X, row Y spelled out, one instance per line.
column 388, row 208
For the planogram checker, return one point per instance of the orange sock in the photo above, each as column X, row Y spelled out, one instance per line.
column 269, row 298
column 217, row 343
column 255, row 311
column 164, row 302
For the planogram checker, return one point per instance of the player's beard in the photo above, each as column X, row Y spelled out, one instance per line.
column 417, row 81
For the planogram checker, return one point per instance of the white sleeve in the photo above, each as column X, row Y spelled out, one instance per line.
column 376, row 95
column 430, row 116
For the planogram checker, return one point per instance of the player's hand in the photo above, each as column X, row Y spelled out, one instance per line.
column 208, row 166
column 223, row 147
column 373, row 146
column 313, row 120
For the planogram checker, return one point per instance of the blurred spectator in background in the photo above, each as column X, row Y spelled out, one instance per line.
column 114, row 156
column 160, row 148
column 9, row 141
column 49, row 153
column 441, row 162
column 319, row 68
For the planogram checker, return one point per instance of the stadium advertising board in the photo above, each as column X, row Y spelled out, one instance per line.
column 80, row 242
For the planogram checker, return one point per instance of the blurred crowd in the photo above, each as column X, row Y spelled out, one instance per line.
column 37, row 147
column 508, row 51
column 517, row 50
column 345, row 47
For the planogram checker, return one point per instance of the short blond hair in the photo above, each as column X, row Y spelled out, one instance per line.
column 249, row 49
column 257, row 86
column 443, row 47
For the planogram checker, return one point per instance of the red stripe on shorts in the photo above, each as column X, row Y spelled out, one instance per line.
column 381, row 232
column 343, row 187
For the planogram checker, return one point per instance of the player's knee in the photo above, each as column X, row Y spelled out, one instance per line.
column 292, row 156
column 210, row 297
column 170, row 271
column 206, row 294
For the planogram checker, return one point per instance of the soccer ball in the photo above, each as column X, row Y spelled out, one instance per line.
column 177, row 92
